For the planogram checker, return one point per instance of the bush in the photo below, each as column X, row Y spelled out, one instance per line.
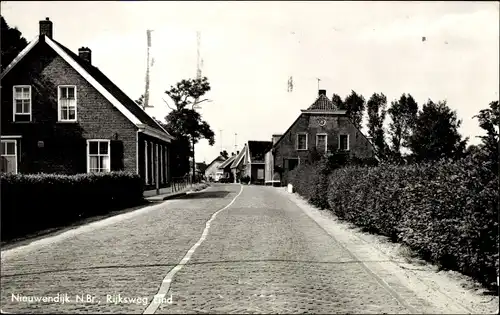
column 446, row 211
column 34, row 202
column 312, row 180
column 245, row 179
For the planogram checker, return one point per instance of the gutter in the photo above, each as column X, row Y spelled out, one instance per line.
column 155, row 133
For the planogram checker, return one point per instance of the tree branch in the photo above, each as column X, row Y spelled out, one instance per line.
column 167, row 104
column 198, row 102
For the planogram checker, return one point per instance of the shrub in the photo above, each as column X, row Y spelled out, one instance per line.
column 38, row 201
column 446, row 211
column 312, row 180
column 245, row 179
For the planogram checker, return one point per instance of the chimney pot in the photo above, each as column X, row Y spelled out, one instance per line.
column 322, row 92
column 46, row 28
column 86, row 54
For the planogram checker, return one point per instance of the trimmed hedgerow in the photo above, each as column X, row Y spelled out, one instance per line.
column 446, row 211
column 311, row 180
column 38, row 201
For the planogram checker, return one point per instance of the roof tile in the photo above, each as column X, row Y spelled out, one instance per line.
column 322, row 103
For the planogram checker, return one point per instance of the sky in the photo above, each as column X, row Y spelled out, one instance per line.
column 250, row 49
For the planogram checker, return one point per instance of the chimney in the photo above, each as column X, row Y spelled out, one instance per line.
column 276, row 137
column 322, row 92
column 85, row 53
column 46, row 28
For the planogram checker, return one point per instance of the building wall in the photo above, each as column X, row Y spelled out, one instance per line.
column 310, row 124
column 64, row 144
column 148, row 147
column 269, row 167
column 255, row 169
column 213, row 169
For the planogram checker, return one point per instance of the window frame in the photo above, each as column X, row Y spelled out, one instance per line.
column 4, row 141
column 153, row 170
column 263, row 171
column 59, row 87
column 165, row 152
column 108, row 169
column 340, row 143
column 326, row 140
column 14, row 113
column 297, row 141
column 146, row 169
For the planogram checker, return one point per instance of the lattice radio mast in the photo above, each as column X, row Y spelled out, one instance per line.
column 199, row 63
column 148, row 65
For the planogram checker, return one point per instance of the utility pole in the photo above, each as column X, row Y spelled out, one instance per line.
column 318, row 82
column 220, row 132
column 198, row 76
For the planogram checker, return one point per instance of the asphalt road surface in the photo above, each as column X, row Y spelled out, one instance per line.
column 228, row 249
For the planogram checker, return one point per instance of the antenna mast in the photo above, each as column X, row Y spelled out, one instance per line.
column 199, row 63
column 235, row 145
column 198, row 60
column 146, row 92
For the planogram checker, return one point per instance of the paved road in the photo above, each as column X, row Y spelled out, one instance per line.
column 260, row 254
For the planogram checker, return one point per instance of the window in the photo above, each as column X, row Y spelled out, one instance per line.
column 146, row 162
column 153, row 169
column 344, row 142
column 67, row 103
column 260, row 173
column 98, row 156
column 302, row 142
column 9, row 156
column 160, row 157
column 321, row 141
column 22, row 103
column 166, row 163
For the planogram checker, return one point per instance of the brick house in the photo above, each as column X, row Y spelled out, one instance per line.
column 320, row 129
column 251, row 161
column 61, row 114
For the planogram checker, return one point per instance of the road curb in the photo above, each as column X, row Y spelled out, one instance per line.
column 173, row 196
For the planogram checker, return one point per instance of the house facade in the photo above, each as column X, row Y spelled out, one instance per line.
column 225, row 168
column 60, row 114
column 213, row 168
column 320, row 129
column 251, row 161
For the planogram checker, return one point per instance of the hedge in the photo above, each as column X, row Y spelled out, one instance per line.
column 31, row 203
column 446, row 211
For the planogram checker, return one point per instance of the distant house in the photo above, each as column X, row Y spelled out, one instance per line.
column 239, row 164
column 251, row 161
column 320, row 129
column 212, row 169
column 61, row 114
column 225, row 168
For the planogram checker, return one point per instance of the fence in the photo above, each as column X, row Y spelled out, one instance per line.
column 179, row 183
